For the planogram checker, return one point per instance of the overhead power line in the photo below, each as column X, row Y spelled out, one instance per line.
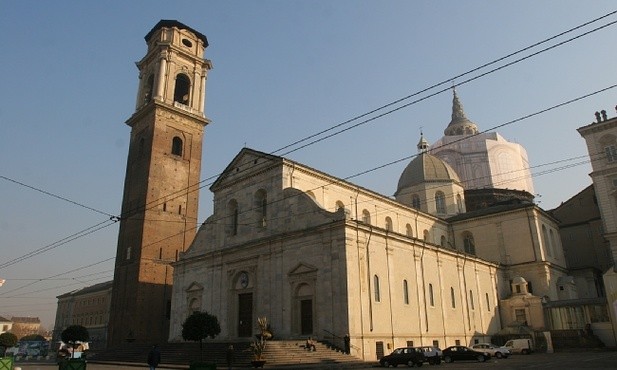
column 198, row 186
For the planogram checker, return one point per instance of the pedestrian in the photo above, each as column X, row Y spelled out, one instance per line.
column 154, row 357
column 310, row 344
column 230, row 356
column 346, row 339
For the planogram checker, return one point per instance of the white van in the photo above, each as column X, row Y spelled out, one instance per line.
column 524, row 346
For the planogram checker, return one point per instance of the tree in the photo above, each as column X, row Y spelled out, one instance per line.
column 34, row 338
column 199, row 326
column 7, row 340
column 74, row 334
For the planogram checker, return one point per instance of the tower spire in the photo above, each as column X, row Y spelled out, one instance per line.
column 460, row 124
column 422, row 144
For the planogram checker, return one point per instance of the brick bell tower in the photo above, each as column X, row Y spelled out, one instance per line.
column 161, row 187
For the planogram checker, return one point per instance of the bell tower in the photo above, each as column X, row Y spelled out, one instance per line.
column 161, row 186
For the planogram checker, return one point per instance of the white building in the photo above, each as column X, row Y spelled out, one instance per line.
column 482, row 159
column 322, row 257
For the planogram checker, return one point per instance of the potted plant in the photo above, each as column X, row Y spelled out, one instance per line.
column 75, row 336
column 258, row 347
column 264, row 328
column 198, row 327
column 7, row 340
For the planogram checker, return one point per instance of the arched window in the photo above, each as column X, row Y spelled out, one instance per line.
column 339, row 205
column 261, row 208
column 376, row 288
column 440, row 202
column 468, row 243
column 415, row 201
column 405, row 292
column 232, row 212
column 176, row 146
column 553, row 242
column 149, row 89
column 452, row 297
column 431, row 298
column 181, row 91
column 388, row 224
column 545, row 240
column 459, row 203
column 366, row 217
column 409, row 231
column 442, row 242
column 425, row 235
column 471, row 300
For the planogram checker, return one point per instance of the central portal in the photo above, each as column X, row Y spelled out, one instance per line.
column 306, row 316
column 245, row 315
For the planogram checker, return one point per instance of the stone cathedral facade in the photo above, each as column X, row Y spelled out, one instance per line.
column 322, row 257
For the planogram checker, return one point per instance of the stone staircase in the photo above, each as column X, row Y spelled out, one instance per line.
column 292, row 352
column 279, row 353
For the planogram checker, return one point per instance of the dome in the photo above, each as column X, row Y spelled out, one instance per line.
column 460, row 124
column 426, row 168
column 519, row 280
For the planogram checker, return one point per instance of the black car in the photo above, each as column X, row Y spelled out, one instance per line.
column 462, row 353
column 409, row 356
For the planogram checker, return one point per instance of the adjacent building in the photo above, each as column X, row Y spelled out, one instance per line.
column 88, row 307
column 25, row 325
column 601, row 139
column 5, row 325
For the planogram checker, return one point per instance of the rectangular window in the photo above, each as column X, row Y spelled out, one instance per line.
column 457, row 342
column 436, row 343
column 376, row 288
column 520, row 315
column 410, row 343
column 430, row 295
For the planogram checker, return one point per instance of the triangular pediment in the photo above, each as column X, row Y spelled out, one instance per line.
column 302, row 268
column 195, row 286
column 246, row 163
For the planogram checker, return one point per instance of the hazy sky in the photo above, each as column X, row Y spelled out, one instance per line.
column 283, row 70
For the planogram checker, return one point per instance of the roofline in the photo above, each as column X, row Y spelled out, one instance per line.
column 168, row 23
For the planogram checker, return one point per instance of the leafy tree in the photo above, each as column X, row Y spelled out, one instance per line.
column 7, row 340
column 74, row 334
column 199, row 326
column 34, row 337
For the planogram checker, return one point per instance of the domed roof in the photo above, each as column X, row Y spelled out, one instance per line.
column 460, row 124
column 519, row 280
column 426, row 168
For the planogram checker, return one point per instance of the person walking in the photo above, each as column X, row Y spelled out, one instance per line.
column 230, row 356
column 154, row 357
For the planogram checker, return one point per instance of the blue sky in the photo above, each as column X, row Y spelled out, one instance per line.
column 283, row 70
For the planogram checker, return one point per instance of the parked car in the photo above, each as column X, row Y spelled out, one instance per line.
column 523, row 346
column 493, row 350
column 462, row 353
column 432, row 355
column 409, row 356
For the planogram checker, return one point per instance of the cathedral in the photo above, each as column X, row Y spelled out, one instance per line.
column 322, row 257
column 459, row 253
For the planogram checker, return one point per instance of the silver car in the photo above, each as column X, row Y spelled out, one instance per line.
column 432, row 355
column 493, row 350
